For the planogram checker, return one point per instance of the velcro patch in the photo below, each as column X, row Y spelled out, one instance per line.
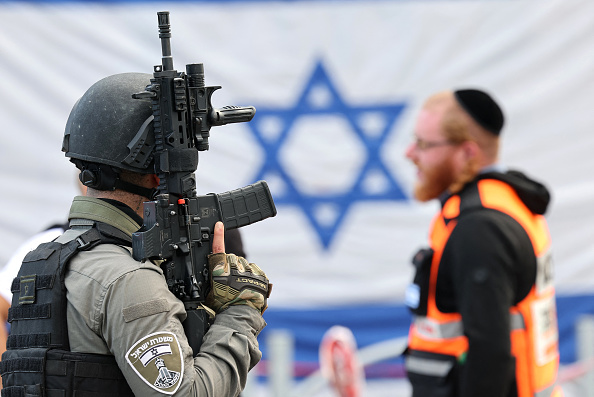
column 145, row 309
column 158, row 361
column 27, row 290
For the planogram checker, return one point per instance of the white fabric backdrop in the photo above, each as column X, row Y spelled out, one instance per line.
column 536, row 58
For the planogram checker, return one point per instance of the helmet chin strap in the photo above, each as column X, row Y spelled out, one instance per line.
column 149, row 193
column 105, row 177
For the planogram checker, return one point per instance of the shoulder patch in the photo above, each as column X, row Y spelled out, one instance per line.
column 158, row 361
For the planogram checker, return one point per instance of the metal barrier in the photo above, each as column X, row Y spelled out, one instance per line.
column 577, row 379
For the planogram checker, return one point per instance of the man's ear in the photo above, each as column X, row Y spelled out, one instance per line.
column 471, row 150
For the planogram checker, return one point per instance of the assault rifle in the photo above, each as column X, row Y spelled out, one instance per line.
column 178, row 224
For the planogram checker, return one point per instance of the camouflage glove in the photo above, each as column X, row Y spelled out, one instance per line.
column 234, row 281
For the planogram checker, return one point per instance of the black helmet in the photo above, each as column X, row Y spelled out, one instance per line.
column 108, row 127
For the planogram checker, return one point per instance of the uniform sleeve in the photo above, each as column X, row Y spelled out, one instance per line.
column 483, row 253
column 142, row 328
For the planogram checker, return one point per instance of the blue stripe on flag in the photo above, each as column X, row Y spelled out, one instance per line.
column 376, row 323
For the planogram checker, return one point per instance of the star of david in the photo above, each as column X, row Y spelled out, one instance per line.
column 359, row 129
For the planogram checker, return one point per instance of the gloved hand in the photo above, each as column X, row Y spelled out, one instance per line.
column 234, row 281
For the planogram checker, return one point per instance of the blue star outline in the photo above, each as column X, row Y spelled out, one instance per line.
column 337, row 203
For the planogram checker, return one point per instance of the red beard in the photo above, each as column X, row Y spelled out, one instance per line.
column 433, row 181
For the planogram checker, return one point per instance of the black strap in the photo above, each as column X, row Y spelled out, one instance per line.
column 135, row 189
column 29, row 312
column 55, row 393
column 43, row 282
column 23, row 364
column 97, row 371
column 470, row 198
column 22, row 391
column 35, row 391
column 85, row 393
column 28, row 341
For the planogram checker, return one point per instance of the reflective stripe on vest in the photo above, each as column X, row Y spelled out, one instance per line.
column 427, row 366
column 432, row 329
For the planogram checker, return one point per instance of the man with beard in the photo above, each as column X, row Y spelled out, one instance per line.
column 483, row 302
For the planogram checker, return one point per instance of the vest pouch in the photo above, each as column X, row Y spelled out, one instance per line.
column 417, row 293
column 24, row 370
column 84, row 374
column 431, row 374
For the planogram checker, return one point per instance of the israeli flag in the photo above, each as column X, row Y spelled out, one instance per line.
column 337, row 86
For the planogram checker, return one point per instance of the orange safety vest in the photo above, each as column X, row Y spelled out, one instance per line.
column 534, row 333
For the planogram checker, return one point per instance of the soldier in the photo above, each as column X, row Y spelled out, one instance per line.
column 86, row 316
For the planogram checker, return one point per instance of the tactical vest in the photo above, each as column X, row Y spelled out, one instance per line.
column 37, row 361
column 436, row 340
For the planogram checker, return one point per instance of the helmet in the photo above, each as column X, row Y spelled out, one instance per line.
column 108, row 127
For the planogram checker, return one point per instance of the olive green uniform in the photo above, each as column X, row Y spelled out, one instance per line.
column 121, row 307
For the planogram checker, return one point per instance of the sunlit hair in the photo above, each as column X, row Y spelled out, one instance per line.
column 459, row 127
